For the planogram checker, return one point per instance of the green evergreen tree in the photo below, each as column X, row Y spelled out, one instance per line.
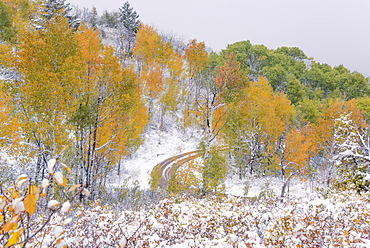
column 110, row 20
column 129, row 24
column 53, row 8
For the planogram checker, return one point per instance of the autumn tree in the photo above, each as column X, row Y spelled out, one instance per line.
column 152, row 53
column 15, row 16
column 7, row 32
column 111, row 115
column 44, row 97
column 230, row 79
column 296, row 148
column 215, row 89
column 254, row 134
column 196, row 61
column 196, row 57
column 160, row 69
column 332, row 132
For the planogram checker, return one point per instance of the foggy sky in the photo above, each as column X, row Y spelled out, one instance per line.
column 331, row 31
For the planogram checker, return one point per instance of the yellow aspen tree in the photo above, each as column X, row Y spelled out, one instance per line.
column 20, row 12
column 156, row 57
column 196, row 60
column 10, row 128
column 48, row 60
column 255, row 125
column 196, row 57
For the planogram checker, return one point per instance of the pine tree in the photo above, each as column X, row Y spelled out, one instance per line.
column 129, row 24
column 51, row 9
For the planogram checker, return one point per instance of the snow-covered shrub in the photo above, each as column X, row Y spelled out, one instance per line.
column 340, row 220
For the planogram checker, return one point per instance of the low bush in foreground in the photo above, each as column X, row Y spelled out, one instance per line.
column 338, row 220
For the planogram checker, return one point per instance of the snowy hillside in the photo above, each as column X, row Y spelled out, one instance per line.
column 158, row 146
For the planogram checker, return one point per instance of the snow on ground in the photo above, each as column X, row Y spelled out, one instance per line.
column 158, row 146
column 337, row 220
column 252, row 187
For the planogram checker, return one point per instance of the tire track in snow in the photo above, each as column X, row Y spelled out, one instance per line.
column 169, row 166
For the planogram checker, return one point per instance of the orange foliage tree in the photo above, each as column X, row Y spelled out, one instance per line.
column 296, row 149
column 111, row 115
column 160, row 69
column 196, row 57
column 73, row 90
column 333, row 131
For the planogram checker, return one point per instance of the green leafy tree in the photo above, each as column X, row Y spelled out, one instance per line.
column 309, row 110
column 296, row 91
column 214, row 170
column 294, row 52
column 7, row 31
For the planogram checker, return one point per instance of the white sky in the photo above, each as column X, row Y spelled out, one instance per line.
column 332, row 31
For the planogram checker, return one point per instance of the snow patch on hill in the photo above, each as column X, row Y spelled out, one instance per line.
column 158, row 146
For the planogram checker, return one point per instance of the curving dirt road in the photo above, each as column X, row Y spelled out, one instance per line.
column 169, row 166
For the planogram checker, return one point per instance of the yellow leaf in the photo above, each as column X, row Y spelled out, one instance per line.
column 74, row 187
column 15, row 195
column 3, row 203
column 34, row 190
column 30, row 203
column 60, row 243
column 14, row 238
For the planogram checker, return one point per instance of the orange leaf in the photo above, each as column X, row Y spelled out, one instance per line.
column 66, row 167
column 10, row 224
